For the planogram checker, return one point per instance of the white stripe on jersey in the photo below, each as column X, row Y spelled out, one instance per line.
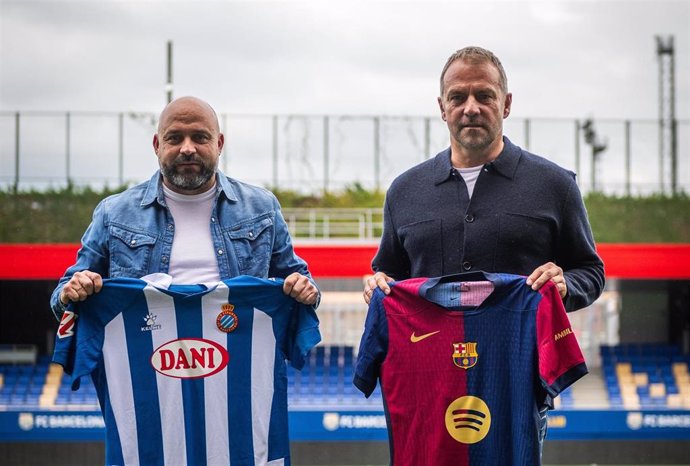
column 263, row 362
column 216, row 387
column 169, row 388
column 120, row 391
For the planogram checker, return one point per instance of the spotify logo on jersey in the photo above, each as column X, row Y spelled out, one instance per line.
column 468, row 419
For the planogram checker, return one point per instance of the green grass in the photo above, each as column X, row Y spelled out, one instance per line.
column 62, row 216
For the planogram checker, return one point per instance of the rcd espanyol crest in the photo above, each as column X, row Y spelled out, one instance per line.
column 227, row 319
column 465, row 354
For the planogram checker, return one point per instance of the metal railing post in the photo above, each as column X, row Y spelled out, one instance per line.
column 121, row 150
column 377, row 153
column 275, row 151
column 16, row 152
column 68, row 152
column 627, row 157
column 326, row 154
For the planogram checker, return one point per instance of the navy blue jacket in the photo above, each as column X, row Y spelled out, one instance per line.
column 524, row 211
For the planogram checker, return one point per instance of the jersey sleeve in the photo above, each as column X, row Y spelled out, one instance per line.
column 561, row 362
column 77, row 347
column 66, row 340
column 373, row 346
column 304, row 334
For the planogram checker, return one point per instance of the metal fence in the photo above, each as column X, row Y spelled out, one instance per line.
column 317, row 153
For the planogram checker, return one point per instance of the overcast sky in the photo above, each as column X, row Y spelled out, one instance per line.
column 563, row 58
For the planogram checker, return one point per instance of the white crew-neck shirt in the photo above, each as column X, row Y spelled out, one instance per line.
column 192, row 259
column 470, row 176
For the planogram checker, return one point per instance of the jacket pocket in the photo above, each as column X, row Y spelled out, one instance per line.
column 524, row 243
column 252, row 242
column 423, row 242
column 130, row 252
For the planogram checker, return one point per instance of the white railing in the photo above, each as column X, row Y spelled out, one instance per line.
column 334, row 223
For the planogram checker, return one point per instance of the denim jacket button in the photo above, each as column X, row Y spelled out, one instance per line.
column 133, row 242
column 220, row 252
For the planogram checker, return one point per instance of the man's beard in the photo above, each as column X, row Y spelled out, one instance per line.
column 187, row 181
column 476, row 142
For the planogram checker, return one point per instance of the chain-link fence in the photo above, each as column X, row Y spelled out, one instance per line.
column 317, row 153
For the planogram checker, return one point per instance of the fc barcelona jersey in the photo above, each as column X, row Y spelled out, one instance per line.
column 190, row 374
column 465, row 362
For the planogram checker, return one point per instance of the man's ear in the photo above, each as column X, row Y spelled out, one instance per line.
column 156, row 143
column 221, row 143
column 440, row 106
column 508, row 103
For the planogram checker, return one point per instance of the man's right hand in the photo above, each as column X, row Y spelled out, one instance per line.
column 378, row 280
column 80, row 286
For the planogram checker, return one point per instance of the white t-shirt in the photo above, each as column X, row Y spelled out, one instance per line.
column 470, row 176
column 192, row 259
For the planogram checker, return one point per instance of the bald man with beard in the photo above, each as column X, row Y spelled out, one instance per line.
column 181, row 221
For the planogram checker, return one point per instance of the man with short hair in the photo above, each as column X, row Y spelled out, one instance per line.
column 485, row 204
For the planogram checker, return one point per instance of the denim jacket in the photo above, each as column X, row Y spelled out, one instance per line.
column 131, row 235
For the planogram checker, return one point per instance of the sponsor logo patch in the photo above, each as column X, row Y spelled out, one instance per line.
column 468, row 419
column 189, row 358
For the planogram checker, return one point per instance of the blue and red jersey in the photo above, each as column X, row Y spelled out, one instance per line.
column 465, row 362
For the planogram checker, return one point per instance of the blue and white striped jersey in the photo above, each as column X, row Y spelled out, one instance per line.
column 190, row 374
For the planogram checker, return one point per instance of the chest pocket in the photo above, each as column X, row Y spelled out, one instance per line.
column 130, row 252
column 252, row 242
column 524, row 243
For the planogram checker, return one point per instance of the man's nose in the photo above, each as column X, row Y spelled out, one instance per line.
column 471, row 106
column 188, row 146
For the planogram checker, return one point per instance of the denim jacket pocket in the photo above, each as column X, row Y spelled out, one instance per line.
column 130, row 252
column 252, row 242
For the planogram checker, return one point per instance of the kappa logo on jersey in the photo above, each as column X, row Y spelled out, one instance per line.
column 67, row 322
column 468, row 419
column 150, row 320
column 189, row 358
column 227, row 319
column 465, row 355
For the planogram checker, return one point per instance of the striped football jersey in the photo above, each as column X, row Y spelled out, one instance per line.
column 189, row 374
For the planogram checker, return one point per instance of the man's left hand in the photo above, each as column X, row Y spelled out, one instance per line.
column 546, row 272
column 301, row 288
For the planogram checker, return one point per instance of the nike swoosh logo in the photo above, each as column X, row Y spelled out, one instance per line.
column 414, row 338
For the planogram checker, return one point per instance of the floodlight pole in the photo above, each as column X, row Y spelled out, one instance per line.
column 667, row 111
column 169, row 82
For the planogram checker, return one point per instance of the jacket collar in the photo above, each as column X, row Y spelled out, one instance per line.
column 154, row 189
column 505, row 164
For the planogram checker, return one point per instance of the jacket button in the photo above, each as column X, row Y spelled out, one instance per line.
column 133, row 242
column 469, row 218
column 220, row 252
column 467, row 265
column 164, row 259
